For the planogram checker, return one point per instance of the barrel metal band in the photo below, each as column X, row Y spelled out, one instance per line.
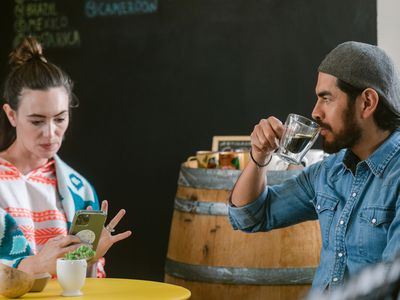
column 236, row 275
column 201, row 208
column 218, row 179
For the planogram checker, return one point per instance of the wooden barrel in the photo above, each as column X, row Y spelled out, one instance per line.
column 214, row 261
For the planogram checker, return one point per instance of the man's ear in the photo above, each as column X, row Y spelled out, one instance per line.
column 11, row 114
column 369, row 102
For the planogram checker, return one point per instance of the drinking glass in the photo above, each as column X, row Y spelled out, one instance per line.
column 299, row 136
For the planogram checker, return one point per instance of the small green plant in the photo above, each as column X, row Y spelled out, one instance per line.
column 83, row 252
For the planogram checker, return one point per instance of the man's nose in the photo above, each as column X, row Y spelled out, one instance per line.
column 317, row 112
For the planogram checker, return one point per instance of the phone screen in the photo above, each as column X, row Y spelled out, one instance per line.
column 88, row 225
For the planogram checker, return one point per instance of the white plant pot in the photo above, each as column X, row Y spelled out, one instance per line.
column 71, row 275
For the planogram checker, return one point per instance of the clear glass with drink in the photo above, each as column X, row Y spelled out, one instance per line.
column 299, row 136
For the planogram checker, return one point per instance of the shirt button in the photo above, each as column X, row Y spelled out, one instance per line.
column 354, row 194
column 335, row 279
column 319, row 207
column 373, row 221
column 341, row 222
column 340, row 254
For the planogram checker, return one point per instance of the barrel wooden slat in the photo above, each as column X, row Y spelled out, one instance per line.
column 210, row 240
column 193, row 194
column 202, row 243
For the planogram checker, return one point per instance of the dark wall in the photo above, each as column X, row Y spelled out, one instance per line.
column 154, row 88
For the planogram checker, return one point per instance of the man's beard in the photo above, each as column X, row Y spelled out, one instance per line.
column 347, row 137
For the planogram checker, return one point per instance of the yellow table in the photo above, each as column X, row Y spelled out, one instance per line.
column 111, row 288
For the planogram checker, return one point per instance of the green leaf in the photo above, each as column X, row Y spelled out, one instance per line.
column 83, row 252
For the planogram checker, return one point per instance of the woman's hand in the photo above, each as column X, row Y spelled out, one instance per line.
column 106, row 238
column 45, row 260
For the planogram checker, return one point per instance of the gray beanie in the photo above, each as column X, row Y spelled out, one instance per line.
column 365, row 66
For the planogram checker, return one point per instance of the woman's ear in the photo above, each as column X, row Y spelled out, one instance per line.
column 11, row 114
column 369, row 102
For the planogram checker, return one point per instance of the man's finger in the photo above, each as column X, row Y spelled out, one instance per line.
column 277, row 126
column 269, row 137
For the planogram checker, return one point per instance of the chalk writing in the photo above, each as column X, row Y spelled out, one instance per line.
column 54, row 39
column 234, row 145
column 95, row 8
column 41, row 24
column 44, row 9
column 43, row 20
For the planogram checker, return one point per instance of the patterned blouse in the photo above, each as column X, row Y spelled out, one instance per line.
column 33, row 202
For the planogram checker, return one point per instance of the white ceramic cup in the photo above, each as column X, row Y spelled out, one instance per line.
column 71, row 275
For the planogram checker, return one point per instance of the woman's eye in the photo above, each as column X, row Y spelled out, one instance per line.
column 59, row 120
column 37, row 123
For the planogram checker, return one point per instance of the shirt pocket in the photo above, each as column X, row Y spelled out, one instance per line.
column 326, row 207
column 374, row 225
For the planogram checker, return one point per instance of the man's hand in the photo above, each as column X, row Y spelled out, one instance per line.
column 265, row 138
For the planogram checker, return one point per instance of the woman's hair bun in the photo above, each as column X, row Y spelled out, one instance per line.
column 29, row 49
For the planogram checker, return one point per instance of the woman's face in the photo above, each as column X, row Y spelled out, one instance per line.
column 40, row 121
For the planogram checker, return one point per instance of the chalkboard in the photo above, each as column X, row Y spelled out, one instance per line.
column 158, row 79
column 53, row 22
column 231, row 143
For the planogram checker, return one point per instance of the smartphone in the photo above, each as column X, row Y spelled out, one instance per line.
column 87, row 225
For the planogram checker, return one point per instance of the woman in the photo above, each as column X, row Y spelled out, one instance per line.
column 39, row 193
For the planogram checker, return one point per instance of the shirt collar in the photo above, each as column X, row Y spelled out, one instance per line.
column 350, row 160
column 381, row 157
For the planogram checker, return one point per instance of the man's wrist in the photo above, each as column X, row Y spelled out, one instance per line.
column 260, row 163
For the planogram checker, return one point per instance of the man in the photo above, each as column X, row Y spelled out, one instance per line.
column 376, row 282
column 355, row 191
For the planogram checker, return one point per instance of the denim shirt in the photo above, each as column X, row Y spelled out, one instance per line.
column 358, row 213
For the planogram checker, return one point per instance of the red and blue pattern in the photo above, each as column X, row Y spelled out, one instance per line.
column 38, row 206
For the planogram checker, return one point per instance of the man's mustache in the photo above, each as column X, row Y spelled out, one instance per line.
column 323, row 125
